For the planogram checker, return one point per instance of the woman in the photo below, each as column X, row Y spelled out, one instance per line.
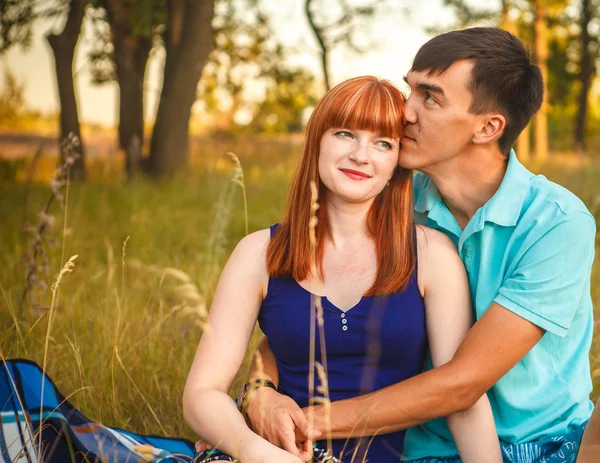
column 387, row 288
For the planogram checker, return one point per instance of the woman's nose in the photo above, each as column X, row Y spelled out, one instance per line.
column 359, row 153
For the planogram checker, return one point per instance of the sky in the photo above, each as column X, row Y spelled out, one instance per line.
column 395, row 37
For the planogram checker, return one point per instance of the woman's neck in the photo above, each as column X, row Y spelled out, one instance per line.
column 347, row 222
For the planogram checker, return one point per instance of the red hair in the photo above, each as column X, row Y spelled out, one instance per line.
column 362, row 103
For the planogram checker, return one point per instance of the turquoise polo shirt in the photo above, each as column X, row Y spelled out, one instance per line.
column 530, row 249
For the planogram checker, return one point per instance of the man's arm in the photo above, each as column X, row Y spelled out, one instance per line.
column 492, row 347
column 264, row 365
column 540, row 295
column 274, row 416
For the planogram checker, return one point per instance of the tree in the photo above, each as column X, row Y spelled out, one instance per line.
column 541, row 55
column 587, row 69
column 247, row 74
column 17, row 18
column 125, row 33
column 188, row 42
column 330, row 33
column 63, row 47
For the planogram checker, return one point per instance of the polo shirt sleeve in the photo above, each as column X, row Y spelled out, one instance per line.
column 548, row 282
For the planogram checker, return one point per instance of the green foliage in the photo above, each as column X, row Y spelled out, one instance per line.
column 247, row 73
column 146, row 16
column 12, row 99
column 143, row 18
column 284, row 108
column 16, row 17
column 133, row 302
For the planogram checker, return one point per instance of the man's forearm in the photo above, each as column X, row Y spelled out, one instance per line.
column 433, row 394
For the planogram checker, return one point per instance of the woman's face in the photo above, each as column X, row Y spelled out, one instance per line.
column 355, row 165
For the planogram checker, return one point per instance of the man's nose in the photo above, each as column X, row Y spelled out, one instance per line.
column 409, row 111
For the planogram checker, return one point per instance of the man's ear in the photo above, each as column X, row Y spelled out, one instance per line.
column 491, row 129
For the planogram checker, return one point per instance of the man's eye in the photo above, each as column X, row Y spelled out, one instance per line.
column 429, row 99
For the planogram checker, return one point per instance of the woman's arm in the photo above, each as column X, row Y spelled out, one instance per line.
column 207, row 408
column 449, row 318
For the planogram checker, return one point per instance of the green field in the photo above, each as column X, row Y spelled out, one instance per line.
column 128, row 318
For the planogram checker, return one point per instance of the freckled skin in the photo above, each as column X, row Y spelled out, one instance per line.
column 351, row 267
column 360, row 150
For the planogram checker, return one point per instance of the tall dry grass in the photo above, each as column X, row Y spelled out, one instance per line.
column 129, row 315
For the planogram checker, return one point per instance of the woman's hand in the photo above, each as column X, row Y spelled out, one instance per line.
column 202, row 446
column 278, row 419
column 270, row 454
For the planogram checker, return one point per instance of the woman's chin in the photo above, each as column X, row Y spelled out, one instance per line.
column 354, row 198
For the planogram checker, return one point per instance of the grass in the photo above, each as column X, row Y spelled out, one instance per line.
column 127, row 319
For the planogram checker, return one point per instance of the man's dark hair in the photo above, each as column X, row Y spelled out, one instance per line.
column 503, row 78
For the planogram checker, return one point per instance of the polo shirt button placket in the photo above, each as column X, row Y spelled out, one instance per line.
column 344, row 322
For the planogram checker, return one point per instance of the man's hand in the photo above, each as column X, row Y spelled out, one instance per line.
column 278, row 419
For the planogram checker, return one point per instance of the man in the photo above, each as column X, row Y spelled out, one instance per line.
column 527, row 245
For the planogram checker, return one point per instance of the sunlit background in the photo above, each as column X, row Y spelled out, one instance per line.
column 158, row 92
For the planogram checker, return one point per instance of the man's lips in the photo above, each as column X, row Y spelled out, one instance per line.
column 406, row 138
column 355, row 174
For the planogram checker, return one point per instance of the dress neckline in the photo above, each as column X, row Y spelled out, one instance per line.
column 331, row 305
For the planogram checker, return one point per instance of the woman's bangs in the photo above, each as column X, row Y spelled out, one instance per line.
column 372, row 108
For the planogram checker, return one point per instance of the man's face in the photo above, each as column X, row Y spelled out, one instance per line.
column 438, row 123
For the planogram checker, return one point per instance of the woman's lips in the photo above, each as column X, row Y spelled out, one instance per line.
column 355, row 174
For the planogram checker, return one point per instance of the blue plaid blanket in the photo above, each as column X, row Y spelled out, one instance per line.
column 48, row 429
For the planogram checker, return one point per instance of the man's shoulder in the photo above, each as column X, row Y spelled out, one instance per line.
column 549, row 194
column 549, row 204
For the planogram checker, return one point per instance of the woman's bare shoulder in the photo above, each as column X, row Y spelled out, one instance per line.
column 256, row 241
column 431, row 242
column 251, row 251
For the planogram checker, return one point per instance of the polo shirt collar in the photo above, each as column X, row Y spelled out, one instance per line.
column 428, row 197
column 430, row 203
column 504, row 208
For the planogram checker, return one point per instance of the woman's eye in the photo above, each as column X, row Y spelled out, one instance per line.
column 386, row 144
column 343, row 133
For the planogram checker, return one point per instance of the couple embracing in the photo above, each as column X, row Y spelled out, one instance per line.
column 456, row 304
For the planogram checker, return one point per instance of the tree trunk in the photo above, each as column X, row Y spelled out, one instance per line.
column 63, row 47
column 131, row 57
column 130, row 74
column 586, row 71
column 321, row 40
column 541, row 51
column 187, row 53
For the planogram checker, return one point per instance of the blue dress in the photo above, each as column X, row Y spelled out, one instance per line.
column 378, row 342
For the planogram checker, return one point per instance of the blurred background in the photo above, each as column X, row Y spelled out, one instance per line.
column 156, row 93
